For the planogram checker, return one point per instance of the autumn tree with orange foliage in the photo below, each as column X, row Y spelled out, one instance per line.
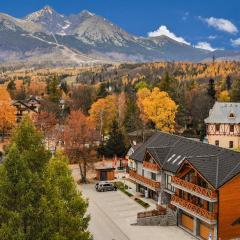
column 79, row 139
column 7, row 112
column 157, row 107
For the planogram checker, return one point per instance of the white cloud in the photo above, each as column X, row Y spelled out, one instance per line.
column 212, row 37
column 221, row 24
column 163, row 30
column 205, row 46
column 235, row 42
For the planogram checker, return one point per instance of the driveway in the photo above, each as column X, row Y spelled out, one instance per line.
column 112, row 214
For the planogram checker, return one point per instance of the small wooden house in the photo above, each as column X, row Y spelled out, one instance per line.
column 105, row 171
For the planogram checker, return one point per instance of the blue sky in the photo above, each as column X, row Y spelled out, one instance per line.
column 207, row 23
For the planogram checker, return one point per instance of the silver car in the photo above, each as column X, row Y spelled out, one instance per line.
column 105, row 186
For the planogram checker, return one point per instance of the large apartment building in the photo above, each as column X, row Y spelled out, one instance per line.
column 200, row 181
column 223, row 125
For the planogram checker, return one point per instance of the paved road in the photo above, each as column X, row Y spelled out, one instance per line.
column 112, row 214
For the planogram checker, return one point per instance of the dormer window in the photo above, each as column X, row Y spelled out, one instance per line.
column 231, row 115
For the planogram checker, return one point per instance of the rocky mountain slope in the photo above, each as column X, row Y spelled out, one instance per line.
column 48, row 38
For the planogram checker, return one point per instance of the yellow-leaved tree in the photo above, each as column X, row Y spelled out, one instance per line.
column 157, row 107
column 7, row 112
column 142, row 94
column 103, row 112
column 224, row 96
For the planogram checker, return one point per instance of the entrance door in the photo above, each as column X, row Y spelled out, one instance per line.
column 103, row 176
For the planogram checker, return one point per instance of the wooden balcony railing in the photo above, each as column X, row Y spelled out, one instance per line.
column 194, row 188
column 151, row 213
column 144, row 180
column 194, row 209
column 151, row 166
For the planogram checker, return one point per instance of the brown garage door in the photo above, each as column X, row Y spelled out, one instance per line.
column 205, row 230
column 187, row 222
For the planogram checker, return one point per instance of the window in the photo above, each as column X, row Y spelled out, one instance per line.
column 217, row 142
column 232, row 128
column 142, row 172
column 217, row 127
column 168, row 181
column 230, row 144
column 153, row 176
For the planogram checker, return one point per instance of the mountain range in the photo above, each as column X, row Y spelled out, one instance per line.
column 47, row 38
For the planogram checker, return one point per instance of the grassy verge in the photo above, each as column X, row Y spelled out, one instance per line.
column 142, row 203
column 123, row 189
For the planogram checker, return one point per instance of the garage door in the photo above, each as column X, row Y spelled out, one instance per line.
column 187, row 222
column 205, row 231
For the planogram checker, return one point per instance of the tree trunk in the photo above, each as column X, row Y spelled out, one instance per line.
column 83, row 171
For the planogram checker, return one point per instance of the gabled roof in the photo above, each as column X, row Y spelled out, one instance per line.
column 159, row 154
column 216, row 164
column 218, row 169
column 224, row 112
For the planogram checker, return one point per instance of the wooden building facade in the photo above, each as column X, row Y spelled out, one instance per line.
column 199, row 181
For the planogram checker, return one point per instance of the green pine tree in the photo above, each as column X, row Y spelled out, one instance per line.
column 102, row 92
column 66, row 209
column 21, row 184
column 38, row 198
column 53, row 89
column 115, row 145
column 235, row 91
column 131, row 120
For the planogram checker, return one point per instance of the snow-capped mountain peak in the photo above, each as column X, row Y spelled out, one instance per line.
column 87, row 13
column 36, row 16
column 51, row 20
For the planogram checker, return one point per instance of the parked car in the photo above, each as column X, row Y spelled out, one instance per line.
column 105, row 186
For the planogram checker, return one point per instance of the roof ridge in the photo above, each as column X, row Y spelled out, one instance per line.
column 231, row 172
column 217, row 172
column 159, row 147
column 201, row 156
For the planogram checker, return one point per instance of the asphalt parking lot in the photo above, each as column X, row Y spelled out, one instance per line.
column 112, row 216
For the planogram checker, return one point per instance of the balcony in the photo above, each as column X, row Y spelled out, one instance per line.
column 144, row 181
column 201, row 213
column 194, row 189
column 151, row 166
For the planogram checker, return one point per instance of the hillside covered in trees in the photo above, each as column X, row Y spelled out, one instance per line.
column 169, row 96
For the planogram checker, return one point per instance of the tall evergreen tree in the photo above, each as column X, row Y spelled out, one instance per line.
column 53, row 89
column 38, row 199
column 165, row 83
column 115, row 145
column 228, row 83
column 131, row 120
column 21, row 184
column 64, row 217
column 235, row 91
column 211, row 89
column 102, row 92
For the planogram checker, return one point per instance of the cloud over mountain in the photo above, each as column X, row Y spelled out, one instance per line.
column 163, row 30
column 205, row 46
